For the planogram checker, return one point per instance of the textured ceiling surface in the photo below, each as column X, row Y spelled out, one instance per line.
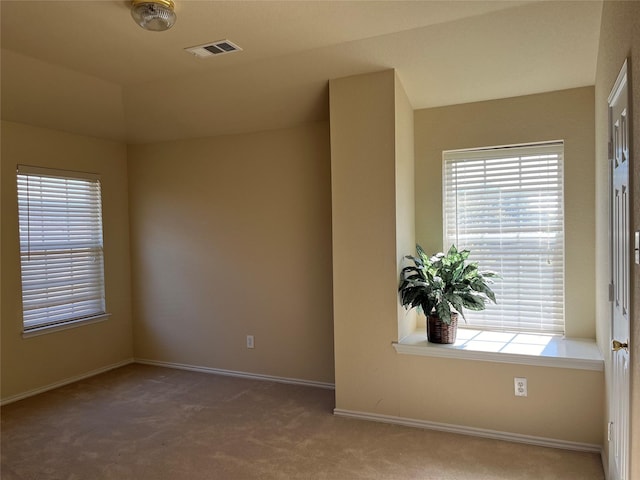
column 445, row 52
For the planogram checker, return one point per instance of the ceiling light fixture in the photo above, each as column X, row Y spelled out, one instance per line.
column 154, row 15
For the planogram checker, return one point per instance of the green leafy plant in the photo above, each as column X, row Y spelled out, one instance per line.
column 442, row 283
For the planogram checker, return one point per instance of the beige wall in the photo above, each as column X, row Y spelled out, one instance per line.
column 363, row 189
column 230, row 236
column 565, row 115
column 371, row 377
column 619, row 39
column 50, row 96
column 35, row 362
column 405, row 194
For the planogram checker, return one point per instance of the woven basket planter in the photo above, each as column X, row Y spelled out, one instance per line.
column 440, row 332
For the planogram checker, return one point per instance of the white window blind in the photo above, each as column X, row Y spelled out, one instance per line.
column 61, row 254
column 505, row 205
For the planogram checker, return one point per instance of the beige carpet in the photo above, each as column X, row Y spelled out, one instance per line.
column 141, row 422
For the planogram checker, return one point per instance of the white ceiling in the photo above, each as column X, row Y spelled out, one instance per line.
column 445, row 52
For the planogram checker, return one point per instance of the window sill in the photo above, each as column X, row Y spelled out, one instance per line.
column 36, row 332
column 520, row 349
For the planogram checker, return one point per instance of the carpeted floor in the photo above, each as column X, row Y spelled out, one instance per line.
column 149, row 423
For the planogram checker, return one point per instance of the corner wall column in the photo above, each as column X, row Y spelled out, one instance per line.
column 373, row 227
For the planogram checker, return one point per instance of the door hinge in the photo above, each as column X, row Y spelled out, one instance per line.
column 611, row 292
column 609, row 431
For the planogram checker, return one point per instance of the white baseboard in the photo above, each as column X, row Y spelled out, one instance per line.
column 66, row 381
column 234, row 373
column 194, row 368
column 476, row 432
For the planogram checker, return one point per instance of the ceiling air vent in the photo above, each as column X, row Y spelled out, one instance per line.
column 216, row 48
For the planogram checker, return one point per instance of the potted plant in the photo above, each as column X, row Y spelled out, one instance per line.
column 443, row 286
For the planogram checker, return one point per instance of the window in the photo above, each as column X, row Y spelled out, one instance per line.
column 61, row 250
column 505, row 205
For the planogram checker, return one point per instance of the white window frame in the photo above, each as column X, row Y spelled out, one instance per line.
column 490, row 183
column 61, row 248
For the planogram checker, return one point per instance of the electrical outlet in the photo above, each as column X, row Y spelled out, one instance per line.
column 520, row 386
column 250, row 342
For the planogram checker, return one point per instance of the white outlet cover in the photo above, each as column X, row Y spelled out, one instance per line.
column 520, row 386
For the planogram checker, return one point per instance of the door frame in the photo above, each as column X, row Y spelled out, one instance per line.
column 621, row 80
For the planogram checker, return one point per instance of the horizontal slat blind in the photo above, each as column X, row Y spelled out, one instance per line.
column 61, row 255
column 505, row 205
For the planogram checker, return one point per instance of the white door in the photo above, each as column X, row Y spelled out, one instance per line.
column 620, row 235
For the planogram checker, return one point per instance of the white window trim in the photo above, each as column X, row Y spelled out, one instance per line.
column 64, row 324
column 36, row 332
column 477, row 345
